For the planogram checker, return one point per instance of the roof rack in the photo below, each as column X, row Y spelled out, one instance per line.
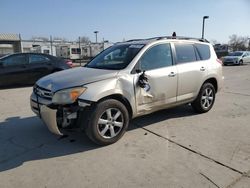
column 180, row 38
column 132, row 40
column 170, row 37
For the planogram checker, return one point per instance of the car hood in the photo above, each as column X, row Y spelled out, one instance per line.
column 74, row 77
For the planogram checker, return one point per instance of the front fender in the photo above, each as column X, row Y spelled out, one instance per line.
column 98, row 90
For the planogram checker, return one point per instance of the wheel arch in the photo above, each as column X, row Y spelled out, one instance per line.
column 121, row 99
column 212, row 81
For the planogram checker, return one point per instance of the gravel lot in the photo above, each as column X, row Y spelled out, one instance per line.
column 170, row 148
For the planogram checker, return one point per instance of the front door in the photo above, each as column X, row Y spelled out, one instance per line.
column 161, row 89
column 13, row 70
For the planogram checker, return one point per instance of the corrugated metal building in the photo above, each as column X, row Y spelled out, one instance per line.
column 9, row 43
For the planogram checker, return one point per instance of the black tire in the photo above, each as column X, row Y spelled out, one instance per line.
column 199, row 104
column 240, row 62
column 98, row 113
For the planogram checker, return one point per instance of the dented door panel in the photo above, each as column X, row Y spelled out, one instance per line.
column 163, row 89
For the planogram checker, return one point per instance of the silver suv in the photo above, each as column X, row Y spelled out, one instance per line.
column 128, row 80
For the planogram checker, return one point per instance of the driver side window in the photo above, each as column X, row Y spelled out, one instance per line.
column 156, row 57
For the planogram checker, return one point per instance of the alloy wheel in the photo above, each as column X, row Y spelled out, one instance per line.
column 207, row 98
column 110, row 123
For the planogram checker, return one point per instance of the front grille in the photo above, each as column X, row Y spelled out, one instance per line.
column 43, row 93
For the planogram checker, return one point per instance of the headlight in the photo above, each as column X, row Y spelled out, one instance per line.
column 67, row 96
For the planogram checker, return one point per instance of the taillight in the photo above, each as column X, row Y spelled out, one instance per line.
column 70, row 63
column 219, row 61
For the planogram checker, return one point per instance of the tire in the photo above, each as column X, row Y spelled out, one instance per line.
column 205, row 99
column 107, row 122
column 240, row 62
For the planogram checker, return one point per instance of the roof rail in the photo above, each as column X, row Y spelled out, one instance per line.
column 180, row 38
column 171, row 37
column 132, row 40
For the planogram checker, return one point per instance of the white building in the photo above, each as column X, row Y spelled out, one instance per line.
column 12, row 43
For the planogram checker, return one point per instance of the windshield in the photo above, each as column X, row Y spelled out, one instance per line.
column 116, row 57
column 235, row 54
column 4, row 56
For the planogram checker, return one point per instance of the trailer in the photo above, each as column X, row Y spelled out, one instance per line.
column 71, row 51
column 45, row 49
column 93, row 49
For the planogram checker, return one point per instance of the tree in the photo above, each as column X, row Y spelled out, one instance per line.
column 213, row 42
column 84, row 39
column 238, row 43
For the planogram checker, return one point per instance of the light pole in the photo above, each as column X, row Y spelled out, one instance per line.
column 96, row 35
column 203, row 25
column 248, row 43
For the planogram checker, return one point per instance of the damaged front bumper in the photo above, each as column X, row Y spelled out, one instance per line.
column 40, row 107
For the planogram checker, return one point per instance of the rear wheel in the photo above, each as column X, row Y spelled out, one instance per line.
column 108, row 122
column 205, row 99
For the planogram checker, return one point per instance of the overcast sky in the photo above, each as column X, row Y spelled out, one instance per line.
column 125, row 19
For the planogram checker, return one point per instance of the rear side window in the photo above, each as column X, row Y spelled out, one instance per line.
column 15, row 60
column 203, row 51
column 33, row 58
column 185, row 53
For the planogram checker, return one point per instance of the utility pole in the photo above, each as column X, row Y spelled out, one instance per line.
column 80, row 50
column 96, row 32
column 249, row 44
column 203, row 25
column 21, row 45
column 51, row 48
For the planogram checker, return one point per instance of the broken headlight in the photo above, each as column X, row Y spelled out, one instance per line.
column 67, row 96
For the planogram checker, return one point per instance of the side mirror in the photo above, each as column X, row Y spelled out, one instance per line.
column 143, row 82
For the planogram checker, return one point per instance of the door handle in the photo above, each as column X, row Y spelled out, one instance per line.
column 202, row 69
column 172, row 74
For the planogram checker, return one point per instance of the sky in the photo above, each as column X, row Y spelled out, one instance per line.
column 118, row 20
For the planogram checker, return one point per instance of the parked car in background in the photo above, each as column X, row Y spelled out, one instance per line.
column 237, row 58
column 27, row 68
column 128, row 80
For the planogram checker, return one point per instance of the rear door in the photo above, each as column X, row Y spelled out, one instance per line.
column 39, row 66
column 191, row 69
column 13, row 70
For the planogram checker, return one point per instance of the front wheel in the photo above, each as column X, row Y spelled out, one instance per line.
column 240, row 62
column 108, row 122
column 205, row 99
